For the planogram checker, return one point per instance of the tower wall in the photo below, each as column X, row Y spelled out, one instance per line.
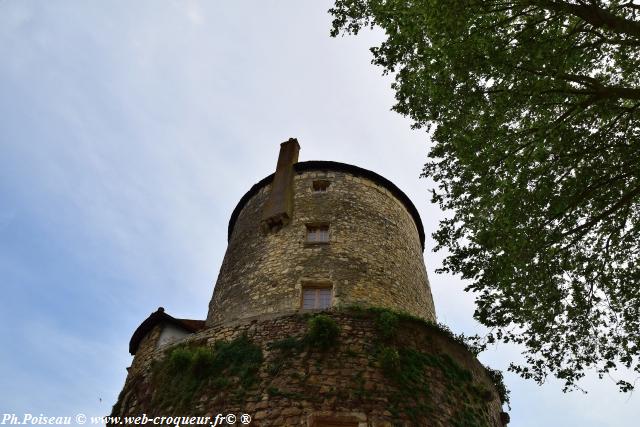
column 373, row 258
column 436, row 382
column 260, row 353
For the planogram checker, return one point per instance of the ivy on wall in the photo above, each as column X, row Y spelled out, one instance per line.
column 188, row 370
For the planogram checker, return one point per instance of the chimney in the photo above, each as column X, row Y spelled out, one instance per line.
column 278, row 210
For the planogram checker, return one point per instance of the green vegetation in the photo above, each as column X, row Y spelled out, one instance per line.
column 412, row 370
column 351, row 352
column 498, row 380
column 409, row 370
column 323, row 332
column 389, row 359
column 188, row 369
column 275, row 392
column 360, row 391
column 287, row 345
column 229, row 370
column 534, row 108
column 387, row 322
column 403, row 365
column 468, row 417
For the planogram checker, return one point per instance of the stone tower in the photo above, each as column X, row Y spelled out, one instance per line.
column 322, row 315
column 347, row 229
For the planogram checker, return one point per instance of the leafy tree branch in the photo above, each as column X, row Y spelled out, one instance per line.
column 534, row 108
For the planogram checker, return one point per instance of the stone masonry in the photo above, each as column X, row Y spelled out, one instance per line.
column 321, row 316
column 346, row 383
column 374, row 256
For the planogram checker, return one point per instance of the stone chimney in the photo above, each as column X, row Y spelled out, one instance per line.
column 278, row 210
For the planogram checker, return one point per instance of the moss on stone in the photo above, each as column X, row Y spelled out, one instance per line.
column 379, row 362
column 323, row 332
column 386, row 320
column 187, row 370
column 469, row 417
column 351, row 352
column 389, row 360
column 408, row 369
column 387, row 323
column 287, row 345
column 498, row 381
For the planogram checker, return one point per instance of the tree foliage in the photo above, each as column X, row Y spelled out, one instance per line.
column 534, row 107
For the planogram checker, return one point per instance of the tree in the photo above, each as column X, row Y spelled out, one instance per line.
column 534, row 107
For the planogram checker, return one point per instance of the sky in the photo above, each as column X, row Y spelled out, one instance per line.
column 128, row 133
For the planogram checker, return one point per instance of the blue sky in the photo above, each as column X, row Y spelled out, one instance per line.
column 129, row 131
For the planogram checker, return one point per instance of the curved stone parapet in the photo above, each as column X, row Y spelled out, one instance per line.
column 372, row 373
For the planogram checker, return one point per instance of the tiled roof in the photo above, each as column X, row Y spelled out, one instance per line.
column 156, row 318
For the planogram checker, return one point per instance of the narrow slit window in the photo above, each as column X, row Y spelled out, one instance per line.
column 320, row 186
column 316, row 298
column 318, row 234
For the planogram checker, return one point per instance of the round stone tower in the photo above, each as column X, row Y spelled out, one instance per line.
column 347, row 237
column 321, row 316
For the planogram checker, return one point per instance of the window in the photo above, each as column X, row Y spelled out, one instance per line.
column 320, row 186
column 318, row 233
column 316, row 297
column 335, row 423
column 347, row 420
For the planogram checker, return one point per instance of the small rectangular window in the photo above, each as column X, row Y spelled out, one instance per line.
column 318, row 233
column 320, row 186
column 316, row 297
column 332, row 421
